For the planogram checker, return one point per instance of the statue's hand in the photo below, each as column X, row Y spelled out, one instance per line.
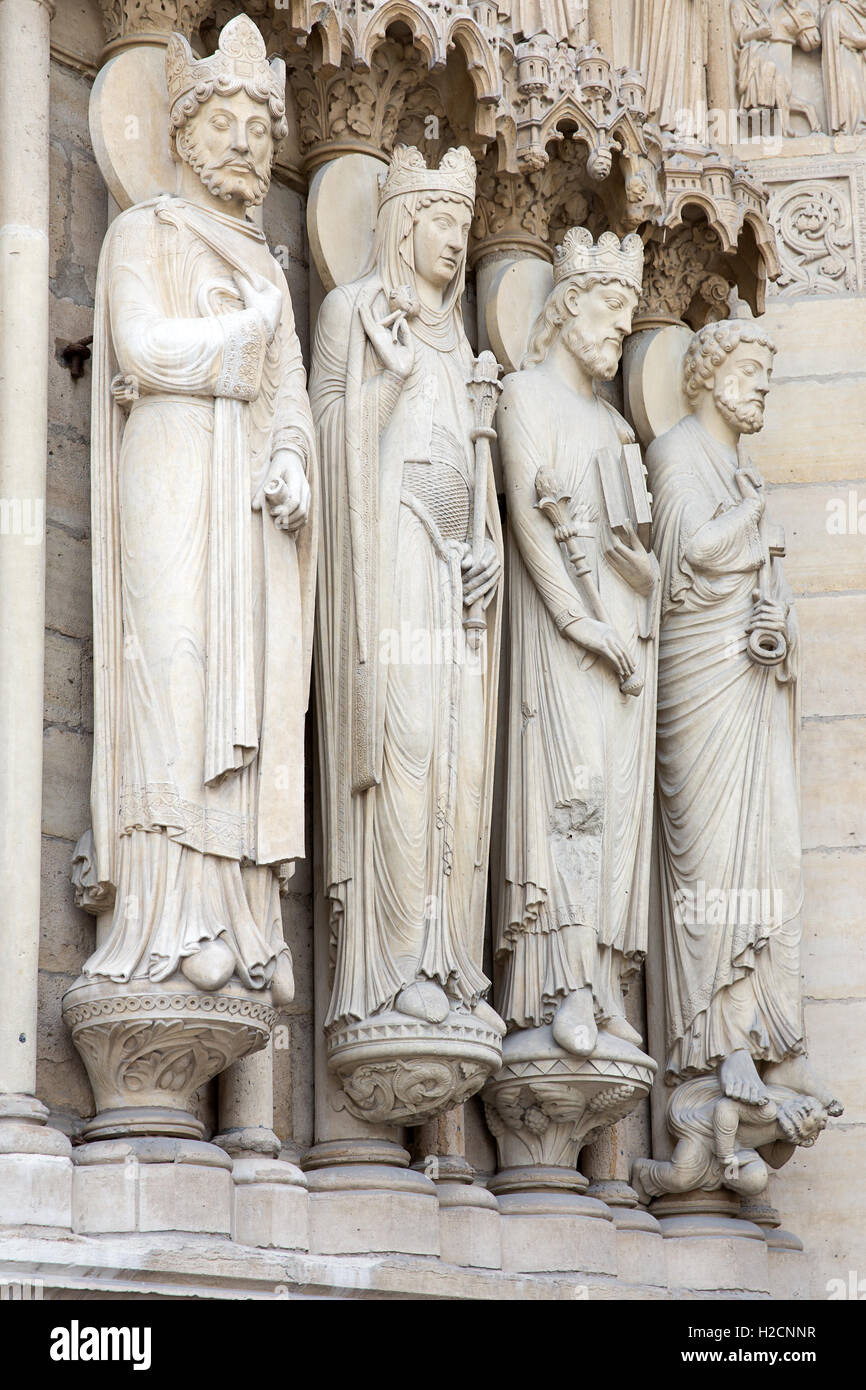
column 393, row 344
column 768, row 615
column 638, row 567
column 605, row 641
column 259, row 294
column 480, row 573
column 285, row 491
column 751, row 489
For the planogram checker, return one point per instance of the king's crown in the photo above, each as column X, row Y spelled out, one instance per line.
column 579, row 256
column 241, row 60
column 408, row 173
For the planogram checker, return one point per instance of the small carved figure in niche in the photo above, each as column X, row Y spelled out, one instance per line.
column 583, row 603
column 766, row 35
column 670, row 51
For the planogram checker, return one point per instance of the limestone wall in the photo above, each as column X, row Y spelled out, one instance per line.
column 812, row 452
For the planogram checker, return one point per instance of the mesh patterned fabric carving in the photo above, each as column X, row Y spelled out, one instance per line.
column 443, row 486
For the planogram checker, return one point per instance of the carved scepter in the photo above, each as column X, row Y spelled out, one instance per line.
column 484, row 388
column 553, row 503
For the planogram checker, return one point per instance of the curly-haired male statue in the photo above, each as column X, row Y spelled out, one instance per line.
column 727, row 802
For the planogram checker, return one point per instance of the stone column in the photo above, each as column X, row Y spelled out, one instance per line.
column 468, row 1213
column 270, row 1196
column 35, row 1169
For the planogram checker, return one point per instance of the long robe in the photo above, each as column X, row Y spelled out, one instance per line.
column 407, row 733
column 843, row 58
column 203, row 609
column 670, row 47
column 578, row 799
column 727, row 806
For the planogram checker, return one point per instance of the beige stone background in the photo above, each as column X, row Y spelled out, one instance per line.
column 812, row 451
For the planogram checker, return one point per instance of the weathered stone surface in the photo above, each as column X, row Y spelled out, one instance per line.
column 818, row 561
column 67, row 936
column 834, row 962
column 67, row 599
column 65, row 783
column 833, row 630
column 834, row 783
column 62, row 680
column 61, row 1080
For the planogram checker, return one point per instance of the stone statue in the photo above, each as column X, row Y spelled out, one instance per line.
column 583, row 611
column 411, row 547
column 727, row 805
column 670, row 51
column 766, row 35
column 204, row 555
column 843, row 32
column 572, row 925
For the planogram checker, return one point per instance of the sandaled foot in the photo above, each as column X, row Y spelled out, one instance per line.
column 574, row 1026
column 425, row 1000
column 739, row 1079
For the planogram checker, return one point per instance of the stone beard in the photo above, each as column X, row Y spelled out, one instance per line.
column 407, row 709
column 203, row 601
column 578, row 785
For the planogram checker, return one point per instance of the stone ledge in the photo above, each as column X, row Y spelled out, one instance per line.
column 170, row 1267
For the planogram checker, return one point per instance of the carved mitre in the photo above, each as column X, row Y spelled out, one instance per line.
column 240, row 62
column 578, row 257
column 408, row 173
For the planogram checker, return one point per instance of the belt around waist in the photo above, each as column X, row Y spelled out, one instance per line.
column 170, row 398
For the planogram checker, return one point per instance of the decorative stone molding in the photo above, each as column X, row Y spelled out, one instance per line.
column 566, row 134
column 147, row 1051
column 396, row 1070
column 818, row 212
column 676, row 273
column 150, row 21
column 814, row 223
column 546, row 1103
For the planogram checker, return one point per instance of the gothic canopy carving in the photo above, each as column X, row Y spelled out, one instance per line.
column 552, row 124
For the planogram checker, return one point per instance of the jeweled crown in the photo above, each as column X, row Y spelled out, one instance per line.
column 408, row 173
column 578, row 255
column 240, row 58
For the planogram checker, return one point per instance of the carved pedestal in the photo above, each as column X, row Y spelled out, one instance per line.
column 541, row 1108
column 147, row 1049
column 397, row 1070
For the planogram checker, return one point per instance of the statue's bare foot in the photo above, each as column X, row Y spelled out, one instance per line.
column 574, row 1026
column 211, row 966
column 621, row 1028
column 425, row 1000
column 739, row 1079
column 797, row 1075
